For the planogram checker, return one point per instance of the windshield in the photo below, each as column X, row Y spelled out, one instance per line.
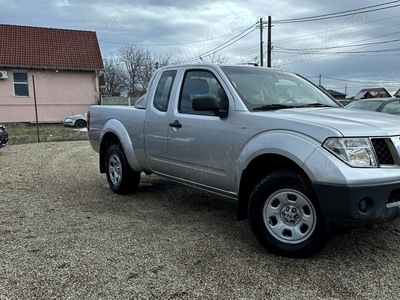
column 262, row 88
column 366, row 105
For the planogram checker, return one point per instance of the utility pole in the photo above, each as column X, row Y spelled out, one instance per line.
column 261, row 43
column 269, row 45
column 269, row 49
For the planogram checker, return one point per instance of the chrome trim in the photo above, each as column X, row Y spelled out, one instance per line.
column 393, row 204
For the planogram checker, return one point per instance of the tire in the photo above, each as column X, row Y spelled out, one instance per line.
column 80, row 124
column 285, row 217
column 120, row 177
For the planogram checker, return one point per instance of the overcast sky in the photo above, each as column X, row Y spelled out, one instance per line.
column 348, row 53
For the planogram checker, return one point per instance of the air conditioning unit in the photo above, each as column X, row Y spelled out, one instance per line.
column 3, row 75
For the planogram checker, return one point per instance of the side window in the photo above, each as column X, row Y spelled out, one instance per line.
column 198, row 84
column 21, row 84
column 163, row 91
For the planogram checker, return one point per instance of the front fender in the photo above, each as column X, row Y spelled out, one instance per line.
column 291, row 145
column 118, row 129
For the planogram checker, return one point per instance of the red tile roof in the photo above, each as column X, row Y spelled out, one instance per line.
column 38, row 47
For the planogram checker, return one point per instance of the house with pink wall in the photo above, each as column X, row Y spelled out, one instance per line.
column 48, row 72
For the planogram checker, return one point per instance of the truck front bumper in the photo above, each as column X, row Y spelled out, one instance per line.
column 349, row 206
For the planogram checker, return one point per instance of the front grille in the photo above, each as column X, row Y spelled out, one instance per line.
column 382, row 152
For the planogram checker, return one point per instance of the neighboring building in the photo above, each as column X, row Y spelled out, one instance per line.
column 397, row 94
column 372, row 93
column 58, row 66
column 336, row 95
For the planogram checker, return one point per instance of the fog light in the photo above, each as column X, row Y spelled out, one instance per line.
column 362, row 206
column 365, row 205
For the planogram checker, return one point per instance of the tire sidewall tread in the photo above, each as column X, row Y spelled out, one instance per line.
column 129, row 179
column 277, row 180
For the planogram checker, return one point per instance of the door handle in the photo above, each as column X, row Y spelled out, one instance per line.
column 175, row 124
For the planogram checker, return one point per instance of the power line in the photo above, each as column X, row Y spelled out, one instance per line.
column 316, row 50
column 301, row 51
column 385, row 51
column 170, row 44
column 340, row 14
column 208, row 54
column 301, row 37
column 222, row 46
column 358, row 81
column 330, row 53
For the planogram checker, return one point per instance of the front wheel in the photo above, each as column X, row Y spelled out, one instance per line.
column 120, row 177
column 285, row 217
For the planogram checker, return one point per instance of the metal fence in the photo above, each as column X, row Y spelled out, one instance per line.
column 127, row 101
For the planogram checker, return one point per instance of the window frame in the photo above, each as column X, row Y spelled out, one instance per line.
column 20, row 83
column 198, row 73
column 164, row 86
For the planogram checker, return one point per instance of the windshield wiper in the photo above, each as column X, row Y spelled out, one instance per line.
column 273, row 106
column 316, row 104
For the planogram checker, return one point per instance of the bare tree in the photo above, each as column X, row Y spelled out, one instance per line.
column 148, row 69
column 140, row 64
column 253, row 61
column 129, row 71
column 115, row 76
column 135, row 60
column 215, row 58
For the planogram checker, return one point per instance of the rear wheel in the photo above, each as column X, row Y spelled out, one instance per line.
column 80, row 124
column 121, row 178
column 285, row 217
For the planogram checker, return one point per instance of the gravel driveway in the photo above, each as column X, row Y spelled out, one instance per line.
column 65, row 235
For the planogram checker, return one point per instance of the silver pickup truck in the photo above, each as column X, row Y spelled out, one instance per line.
column 299, row 165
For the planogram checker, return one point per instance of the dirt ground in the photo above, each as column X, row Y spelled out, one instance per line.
column 65, row 235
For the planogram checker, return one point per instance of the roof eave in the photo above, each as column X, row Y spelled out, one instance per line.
column 50, row 68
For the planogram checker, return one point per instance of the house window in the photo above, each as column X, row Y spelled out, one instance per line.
column 21, row 84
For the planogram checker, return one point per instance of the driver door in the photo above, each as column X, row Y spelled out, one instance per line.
column 199, row 142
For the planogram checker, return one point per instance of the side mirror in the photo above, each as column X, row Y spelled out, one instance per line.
column 205, row 103
column 208, row 103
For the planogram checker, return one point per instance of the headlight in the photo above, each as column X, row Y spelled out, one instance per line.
column 357, row 152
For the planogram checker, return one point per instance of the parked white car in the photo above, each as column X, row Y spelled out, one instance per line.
column 78, row 121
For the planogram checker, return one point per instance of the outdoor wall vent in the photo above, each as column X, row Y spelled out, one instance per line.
column 3, row 75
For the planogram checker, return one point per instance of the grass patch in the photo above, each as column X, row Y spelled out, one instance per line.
column 28, row 133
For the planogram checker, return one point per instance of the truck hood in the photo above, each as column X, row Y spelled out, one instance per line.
column 348, row 122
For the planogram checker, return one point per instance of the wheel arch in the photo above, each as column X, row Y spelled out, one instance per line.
column 256, row 170
column 269, row 152
column 112, row 133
